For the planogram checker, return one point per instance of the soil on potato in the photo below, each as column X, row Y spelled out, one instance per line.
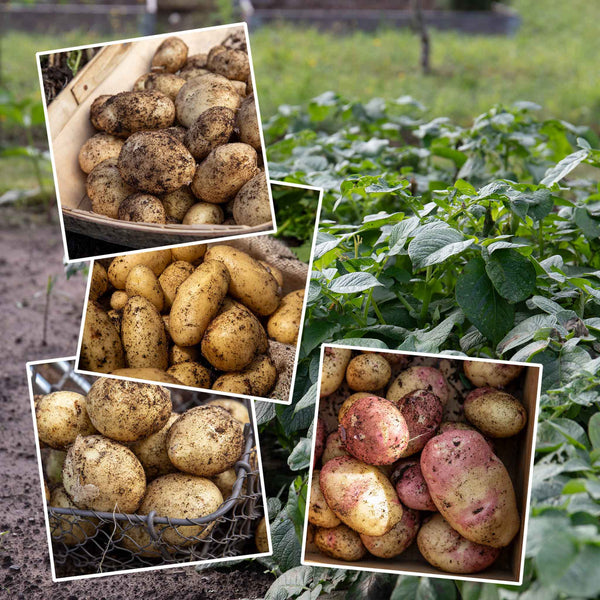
column 31, row 250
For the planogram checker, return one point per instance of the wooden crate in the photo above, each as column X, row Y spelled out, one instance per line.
column 114, row 69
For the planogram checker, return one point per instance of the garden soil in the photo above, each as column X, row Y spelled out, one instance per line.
column 31, row 251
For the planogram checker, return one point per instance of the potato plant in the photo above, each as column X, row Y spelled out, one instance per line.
column 427, row 226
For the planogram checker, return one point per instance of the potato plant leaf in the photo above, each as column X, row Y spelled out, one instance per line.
column 429, row 248
column 353, row 283
column 512, row 274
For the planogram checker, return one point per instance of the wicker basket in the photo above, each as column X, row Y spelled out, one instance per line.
column 86, row 541
column 114, row 69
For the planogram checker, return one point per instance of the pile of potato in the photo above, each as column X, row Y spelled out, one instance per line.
column 193, row 316
column 123, row 449
column 183, row 146
column 394, row 471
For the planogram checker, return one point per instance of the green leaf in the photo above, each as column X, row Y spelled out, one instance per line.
column 286, row 546
column 353, row 283
column 371, row 586
column 406, row 588
column 308, row 400
column 430, row 249
column 525, row 331
column 265, row 411
column 564, row 167
column 594, row 430
column 512, row 274
column 299, row 458
column 483, row 306
column 587, row 224
column 291, row 583
column 316, row 332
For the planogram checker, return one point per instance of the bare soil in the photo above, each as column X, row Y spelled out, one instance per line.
column 30, row 252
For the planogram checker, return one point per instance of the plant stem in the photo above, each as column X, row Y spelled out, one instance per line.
column 427, row 298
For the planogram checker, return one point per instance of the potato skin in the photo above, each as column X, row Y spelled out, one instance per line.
column 120, row 266
column 333, row 447
column 221, row 175
column 422, row 412
column 191, row 373
column 143, row 335
column 101, row 346
column 251, row 205
column 397, row 539
column 149, row 373
column 155, row 162
column 201, row 93
column 211, row 129
column 142, row 208
column 102, row 475
column 233, row 338
column 333, row 371
column 495, row 413
column 197, row 302
column 411, row 486
column 247, row 123
column 350, row 400
column 251, row 283
column 257, row 379
column 205, row 440
column 177, row 203
column 69, row 529
column 319, row 513
column 471, row 487
column 171, row 278
column 374, row 431
column 192, row 254
column 171, row 55
column 126, row 411
column 339, row 542
column 419, row 378
column 98, row 148
column 233, row 64
column 179, row 354
column 483, row 374
column 284, row 323
column 261, row 538
column 446, row 549
column 320, row 437
column 202, row 213
column 360, row 495
column 106, row 188
column 128, row 112
column 234, row 407
column 369, row 371
column 99, row 283
column 61, row 417
column 141, row 281
column 166, row 83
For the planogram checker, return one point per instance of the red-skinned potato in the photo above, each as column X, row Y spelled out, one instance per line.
column 333, row 447
column 471, row 487
column 397, row 539
column 422, row 412
column 320, row 435
column 374, row 431
column 419, row 378
column 446, row 549
column 411, row 486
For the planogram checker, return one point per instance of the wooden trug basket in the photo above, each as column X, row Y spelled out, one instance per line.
column 114, row 69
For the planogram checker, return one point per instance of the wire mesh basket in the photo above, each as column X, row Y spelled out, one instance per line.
column 87, row 541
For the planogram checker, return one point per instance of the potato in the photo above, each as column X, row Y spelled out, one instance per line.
column 333, row 447
column 171, row 278
column 179, row 354
column 192, row 254
column 194, row 72
column 177, row 203
column 171, row 55
column 95, row 107
column 148, row 373
column 142, row 208
column 471, row 487
column 141, row 281
column 115, row 317
column 166, row 83
column 419, row 378
column 203, row 213
column 143, row 335
column 152, row 451
column 249, row 85
column 422, row 412
column 102, row 475
column 251, row 283
column 233, row 339
column 120, row 266
column 225, row 482
column 221, row 175
column 495, row 413
column 397, row 539
column 60, row 417
column 97, row 149
column 320, row 437
column 319, row 513
column 273, row 271
column 182, row 496
column 211, row 129
column 261, row 539
column 128, row 112
column 191, row 373
column 99, row 283
column 239, row 86
column 374, row 431
column 368, row 372
column 101, row 347
column 205, row 440
column 235, row 408
column 484, row 374
column 195, row 61
column 410, row 485
column 257, row 379
column 201, row 93
column 445, row 549
column 126, row 411
column 333, row 369
column 360, row 495
column 252, row 205
column 69, row 529
column 155, row 162
column 350, row 400
column 339, row 542
column 106, row 188
column 233, row 64
column 197, row 302
column 247, row 123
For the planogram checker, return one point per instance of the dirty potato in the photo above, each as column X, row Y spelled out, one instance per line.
column 368, row 372
column 257, row 379
column 191, row 373
column 98, row 148
column 177, row 203
column 141, row 281
column 171, row 278
column 101, row 346
column 247, row 122
column 171, row 55
column 142, row 208
column 203, row 213
column 251, row 205
column 106, row 188
column 211, row 129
